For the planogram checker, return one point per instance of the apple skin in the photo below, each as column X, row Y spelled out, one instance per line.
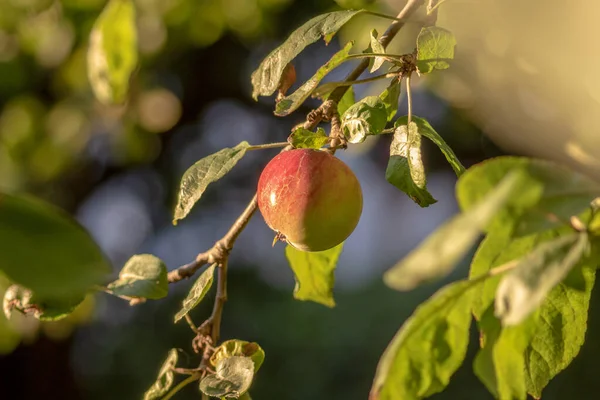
column 311, row 198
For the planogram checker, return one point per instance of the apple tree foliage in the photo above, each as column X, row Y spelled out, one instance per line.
column 530, row 280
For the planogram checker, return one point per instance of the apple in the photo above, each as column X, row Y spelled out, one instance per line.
column 310, row 198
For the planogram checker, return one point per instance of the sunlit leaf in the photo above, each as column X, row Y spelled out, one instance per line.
column 437, row 256
column 561, row 331
column 112, row 54
column 314, row 273
column 500, row 364
column 164, row 381
column 390, row 99
column 144, row 275
column 347, row 101
column 376, row 47
column 367, row 117
column 204, row 172
column 405, row 168
column 23, row 300
column 232, row 378
column 237, row 347
column 550, row 197
column 434, row 47
column 47, row 251
column 267, row 76
column 426, row 130
column 304, row 139
column 290, row 103
column 428, row 348
column 197, row 292
column 523, row 289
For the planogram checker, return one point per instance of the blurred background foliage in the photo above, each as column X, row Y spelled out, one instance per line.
column 117, row 170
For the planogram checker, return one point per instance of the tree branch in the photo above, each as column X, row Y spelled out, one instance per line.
column 385, row 39
column 219, row 252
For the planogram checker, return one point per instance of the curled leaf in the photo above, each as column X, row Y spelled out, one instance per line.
column 367, row 117
column 204, row 172
column 267, row 76
column 232, row 378
column 144, row 275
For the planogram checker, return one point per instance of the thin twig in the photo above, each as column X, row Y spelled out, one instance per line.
column 409, row 98
column 180, row 386
column 193, row 326
column 385, row 39
column 323, row 89
column 220, row 299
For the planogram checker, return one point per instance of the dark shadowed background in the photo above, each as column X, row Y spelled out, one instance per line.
column 117, row 170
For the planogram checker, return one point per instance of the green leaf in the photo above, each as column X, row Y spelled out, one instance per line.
column 324, row 91
column 197, row 292
column 376, row 47
column 347, row 101
column 266, row 77
column 23, row 300
column 164, row 381
column 562, row 316
column 235, row 347
column 47, row 251
column 9, row 336
column 428, row 348
column 405, row 168
column 112, row 54
column 290, row 103
column 204, row 172
column 143, row 275
column 437, row 256
column 497, row 248
column 434, row 47
column 500, row 364
column 549, row 198
column 367, row 117
column 232, row 378
column 314, row 273
column 524, row 288
column 390, row 98
column 304, row 139
column 559, row 338
column 425, row 129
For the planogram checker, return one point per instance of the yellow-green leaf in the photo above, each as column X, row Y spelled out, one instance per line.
column 197, row 292
column 112, row 54
column 314, row 273
column 144, row 275
column 204, row 172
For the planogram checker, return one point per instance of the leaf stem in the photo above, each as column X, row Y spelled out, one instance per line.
column 267, row 146
column 385, row 39
column 180, row 386
column 193, row 326
column 499, row 270
column 431, row 8
column 409, row 98
column 321, row 90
